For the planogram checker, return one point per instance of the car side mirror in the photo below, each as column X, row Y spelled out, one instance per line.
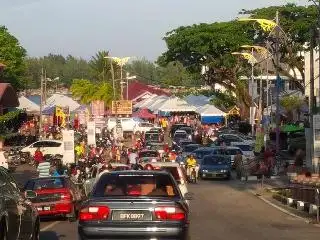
column 30, row 194
column 188, row 196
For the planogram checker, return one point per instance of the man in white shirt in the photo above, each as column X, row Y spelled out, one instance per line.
column 133, row 157
column 3, row 160
column 44, row 169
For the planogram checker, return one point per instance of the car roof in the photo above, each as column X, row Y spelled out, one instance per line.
column 165, row 164
column 48, row 140
column 41, row 178
column 138, row 172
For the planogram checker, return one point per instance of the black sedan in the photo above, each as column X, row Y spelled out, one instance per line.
column 135, row 205
column 18, row 218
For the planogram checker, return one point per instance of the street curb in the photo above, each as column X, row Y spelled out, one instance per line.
column 281, row 209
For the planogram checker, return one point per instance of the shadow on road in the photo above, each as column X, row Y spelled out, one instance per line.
column 24, row 173
column 51, row 235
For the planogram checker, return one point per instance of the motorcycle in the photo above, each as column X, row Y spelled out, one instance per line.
column 192, row 177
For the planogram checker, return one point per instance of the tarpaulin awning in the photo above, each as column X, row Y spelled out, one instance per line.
column 291, row 128
column 144, row 114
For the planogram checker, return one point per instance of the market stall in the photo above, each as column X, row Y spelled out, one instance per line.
column 210, row 114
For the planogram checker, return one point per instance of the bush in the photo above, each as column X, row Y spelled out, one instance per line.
column 244, row 127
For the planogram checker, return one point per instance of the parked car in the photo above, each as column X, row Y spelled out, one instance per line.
column 189, row 131
column 201, row 152
column 135, row 205
column 178, row 173
column 246, row 149
column 215, row 166
column 189, row 148
column 179, row 135
column 152, row 137
column 47, row 147
column 55, row 196
column 231, row 138
column 157, row 146
column 176, row 127
column 18, row 218
column 147, row 156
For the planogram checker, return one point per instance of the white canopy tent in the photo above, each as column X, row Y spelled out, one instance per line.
column 145, row 101
column 210, row 110
column 28, row 105
column 197, row 100
column 155, row 103
column 62, row 101
column 175, row 105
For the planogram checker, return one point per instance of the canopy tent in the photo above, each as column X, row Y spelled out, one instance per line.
column 81, row 108
column 145, row 101
column 210, row 114
column 144, row 114
column 156, row 103
column 197, row 100
column 175, row 105
column 62, row 101
column 49, row 110
column 28, row 105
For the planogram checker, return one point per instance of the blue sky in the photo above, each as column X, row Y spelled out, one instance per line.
column 124, row 27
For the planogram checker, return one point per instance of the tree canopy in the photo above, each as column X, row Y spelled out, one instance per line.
column 12, row 55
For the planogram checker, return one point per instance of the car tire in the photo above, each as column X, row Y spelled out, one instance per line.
column 36, row 231
column 3, row 230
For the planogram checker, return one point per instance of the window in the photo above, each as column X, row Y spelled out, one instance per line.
column 46, row 183
column 232, row 151
column 180, row 135
column 135, row 185
column 148, row 154
column 51, row 144
column 190, row 148
column 213, row 160
column 37, row 144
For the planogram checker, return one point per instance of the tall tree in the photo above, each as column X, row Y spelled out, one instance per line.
column 292, row 104
column 145, row 70
column 12, row 55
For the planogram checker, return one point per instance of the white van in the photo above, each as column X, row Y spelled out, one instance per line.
column 52, row 147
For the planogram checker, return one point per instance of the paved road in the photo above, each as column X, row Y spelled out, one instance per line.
column 220, row 210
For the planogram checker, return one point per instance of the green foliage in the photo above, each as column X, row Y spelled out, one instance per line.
column 9, row 122
column 12, row 54
column 101, row 67
column 224, row 100
column 145, row 70
column 291, row 104
column 66, row 68
column 86, row 91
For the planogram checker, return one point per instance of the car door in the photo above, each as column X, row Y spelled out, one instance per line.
column 90, row 182
column 9, row 202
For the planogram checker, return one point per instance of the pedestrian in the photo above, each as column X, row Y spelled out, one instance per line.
column 133, row 156
column 238, row 163
column 38, row 156
column 43, row 169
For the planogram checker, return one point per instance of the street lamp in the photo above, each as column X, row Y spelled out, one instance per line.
column 120, row 62
column 270, row 27
column 252, row 61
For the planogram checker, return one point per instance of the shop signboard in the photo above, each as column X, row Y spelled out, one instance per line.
column 122, row 107
column 97, row 108
column 68, row 146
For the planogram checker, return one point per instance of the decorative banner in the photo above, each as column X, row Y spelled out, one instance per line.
column 91, row 133
column 97, row 108
column 122, row 107
column 68, row 146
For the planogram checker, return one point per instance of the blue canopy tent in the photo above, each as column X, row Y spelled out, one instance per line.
column 210, row 114
column 49, row 110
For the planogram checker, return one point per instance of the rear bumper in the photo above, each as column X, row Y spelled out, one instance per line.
column 56, row 209
column 216, row 176
column 141, row 233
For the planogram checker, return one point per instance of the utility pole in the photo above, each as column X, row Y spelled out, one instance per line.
column 311, row 97
column 252, row 112
column 127, row 77
column 45, row 87
column 277, row 60
column 41, row 103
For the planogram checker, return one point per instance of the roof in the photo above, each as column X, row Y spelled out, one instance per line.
column 137, row 89
column 8, row 96
column 210, row 110
column 28, row 105
column 62, row 101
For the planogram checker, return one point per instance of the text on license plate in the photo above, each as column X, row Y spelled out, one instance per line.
column 133, row 215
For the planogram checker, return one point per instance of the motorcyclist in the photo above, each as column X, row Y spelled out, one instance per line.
column 191, row 164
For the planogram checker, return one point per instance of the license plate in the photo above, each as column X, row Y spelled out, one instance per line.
column 131, row 215
column 44, row 208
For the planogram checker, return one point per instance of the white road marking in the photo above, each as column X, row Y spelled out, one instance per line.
column 51, row 225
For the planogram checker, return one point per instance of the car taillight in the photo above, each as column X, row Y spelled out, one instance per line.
column 169, row 213
column 94, row 213
column 66, row 196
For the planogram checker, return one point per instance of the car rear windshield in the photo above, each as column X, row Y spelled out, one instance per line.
column 45, row 183
column 180, row 135
column 135, row 185
column 188, row 130
column 215, row 161
column 201, row 154
column 152, row 136
column 232, row 151
column 148, row 154
column 245, row 147
column 190, row 148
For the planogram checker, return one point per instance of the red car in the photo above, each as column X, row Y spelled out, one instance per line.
column 55, row 196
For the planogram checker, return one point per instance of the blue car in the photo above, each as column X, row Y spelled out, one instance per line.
column 215, row 166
